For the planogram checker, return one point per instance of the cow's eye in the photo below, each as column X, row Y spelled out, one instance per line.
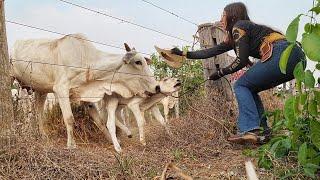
column 138, row 63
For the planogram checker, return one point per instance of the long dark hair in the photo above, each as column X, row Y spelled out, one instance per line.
column 235, row 12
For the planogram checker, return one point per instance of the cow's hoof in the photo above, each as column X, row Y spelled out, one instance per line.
column 71, row 144
column 130, row 136
column 70, row 147
column 118, row 149
column 143, row 142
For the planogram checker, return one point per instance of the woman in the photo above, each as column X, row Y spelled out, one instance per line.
column 259, row 41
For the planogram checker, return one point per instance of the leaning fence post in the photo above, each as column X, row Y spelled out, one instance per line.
column 6, row 106
column 211, row 34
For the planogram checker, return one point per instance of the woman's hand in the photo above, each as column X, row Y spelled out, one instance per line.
column 177, row 51
column 216, row 75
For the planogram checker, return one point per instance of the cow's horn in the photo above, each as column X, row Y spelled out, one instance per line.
column 128, row 49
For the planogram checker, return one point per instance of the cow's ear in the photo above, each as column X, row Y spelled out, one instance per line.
column 148, row 60
column 128, row 49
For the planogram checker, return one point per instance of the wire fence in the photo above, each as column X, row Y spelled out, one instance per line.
column 77, row 67
column 30, row 62
column 64, row 34
column 170, row 12
column 124, row 21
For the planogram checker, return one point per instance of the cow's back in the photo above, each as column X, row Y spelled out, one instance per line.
column 40, row 62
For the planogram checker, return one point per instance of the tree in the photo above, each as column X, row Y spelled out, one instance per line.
column 6, row 108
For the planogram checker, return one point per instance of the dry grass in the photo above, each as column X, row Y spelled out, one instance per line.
column 197, row 147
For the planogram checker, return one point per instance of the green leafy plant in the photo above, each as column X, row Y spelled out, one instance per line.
column 296, row 127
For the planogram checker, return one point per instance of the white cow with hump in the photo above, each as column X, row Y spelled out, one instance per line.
column 68, row 54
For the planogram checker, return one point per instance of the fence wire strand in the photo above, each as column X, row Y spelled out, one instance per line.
column 123, row 20
column 170, row 12
column 63, row 34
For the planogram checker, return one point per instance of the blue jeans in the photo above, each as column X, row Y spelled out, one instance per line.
column 260, row 77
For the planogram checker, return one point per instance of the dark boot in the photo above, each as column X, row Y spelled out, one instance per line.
column 265, row 136
column 247, row 137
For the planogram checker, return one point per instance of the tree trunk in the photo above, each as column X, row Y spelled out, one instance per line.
column 6, row 107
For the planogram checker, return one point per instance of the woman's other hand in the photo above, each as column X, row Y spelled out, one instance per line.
column 177, row 51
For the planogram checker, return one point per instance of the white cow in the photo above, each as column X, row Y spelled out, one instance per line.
column 68, row 54
column 170, row 102
column 22, row 98
column 114, row 103
column 50, row 101
column 138, row 105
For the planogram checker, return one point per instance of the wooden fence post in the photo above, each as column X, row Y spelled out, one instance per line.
column 6, row 107
column 210, row 35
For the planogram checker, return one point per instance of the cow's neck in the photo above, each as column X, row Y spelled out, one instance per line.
column 149, row 102
column 106, row 64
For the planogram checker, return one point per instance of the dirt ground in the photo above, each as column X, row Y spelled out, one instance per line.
column 197, row 146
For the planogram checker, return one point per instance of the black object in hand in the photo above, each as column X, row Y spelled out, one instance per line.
column 216, row 75
column 177, row 51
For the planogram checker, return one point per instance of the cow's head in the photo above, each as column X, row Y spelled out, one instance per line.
column 130, row 57
column 169, row 85
column 136, row 69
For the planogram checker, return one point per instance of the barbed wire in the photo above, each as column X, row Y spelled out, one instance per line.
column 172, row 13
column 123, row 20
column 63, row 34
column 77, row 67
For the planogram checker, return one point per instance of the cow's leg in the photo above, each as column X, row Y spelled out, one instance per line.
column 134, row 107
column 157, row 114
column 101, row 109
column 126, row 117
column 62, row 93
column 93, row 112
column 176, row 109
column 165, row 103
column 120, row 125
column 40, row 99
column 111, row 122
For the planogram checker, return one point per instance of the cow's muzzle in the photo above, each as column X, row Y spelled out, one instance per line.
column 158, row 89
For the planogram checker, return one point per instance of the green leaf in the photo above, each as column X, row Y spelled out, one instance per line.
column 274, row 148
column 298, row 86
column 309, row 80
column 315, row 133
column 311, row 45
column 280, row 148
column 302, row 154
column 312, row 108
column 316, row 10
column 311, row 153
column 298, row 71
column 296, row 105
column 315, row 159
column 316, row 29
column 310, row 169
column 317, row 96
column 289, row 112
column 265, row 162
column 284, row 58
column 292, row 30
column 308, row 27
column 303, row 98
